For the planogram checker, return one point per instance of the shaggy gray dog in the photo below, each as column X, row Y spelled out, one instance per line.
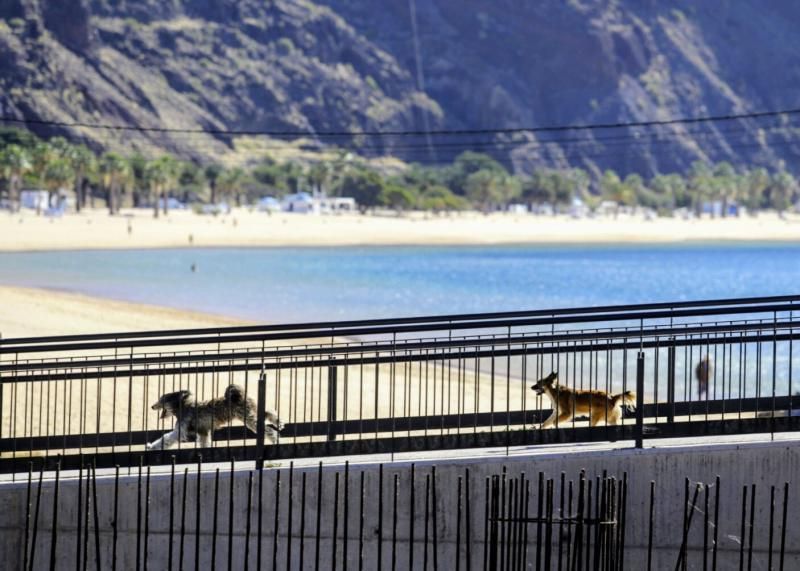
column 196, row 421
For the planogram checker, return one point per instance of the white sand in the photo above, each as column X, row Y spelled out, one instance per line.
column 98, row 230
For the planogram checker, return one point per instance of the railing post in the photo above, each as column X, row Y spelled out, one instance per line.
column 331, row 402
column 671, row 382
column 261, row 419
column 639, row 399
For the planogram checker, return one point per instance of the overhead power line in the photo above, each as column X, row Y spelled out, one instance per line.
column 412, row 133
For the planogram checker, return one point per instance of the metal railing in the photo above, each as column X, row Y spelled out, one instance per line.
column 401, row 385
column 394, row 516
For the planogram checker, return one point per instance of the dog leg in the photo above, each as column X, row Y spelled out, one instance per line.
column 597, row 416
column 563, row 418
column 165, row 441
column 551, row 420
column 271, row 434
column 204, row 439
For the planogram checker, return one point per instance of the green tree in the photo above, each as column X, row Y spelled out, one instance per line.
column 467, row 164
column 139, row 182
column 115, row 172
column 670, row 190
column 755, row 185
column 191, row 180
column 57, row 175
column 212, row 173
column 398, row 197
column 15, row 162
column 439, row 198
column 612, row 188
column 724, row 185
column 231, row 183
column 782, row 191
column 489, row 188
column 161, row 174
column 701, row 185
column 363, row 185
column 83, row 163
column 318, row 176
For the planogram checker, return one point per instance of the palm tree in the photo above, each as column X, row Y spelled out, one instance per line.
column 318, row 176
column 14, row 163
column 161, row 175
column 212, row 173
column 83, row 164
column 230, row 183
column 115, row 171
column 701, row 185
column 56, row 175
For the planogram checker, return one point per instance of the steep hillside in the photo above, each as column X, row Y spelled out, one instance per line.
column 507, row 63
column 323, row 65
column 244, row 65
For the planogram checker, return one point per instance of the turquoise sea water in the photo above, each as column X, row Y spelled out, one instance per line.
column 304, row 284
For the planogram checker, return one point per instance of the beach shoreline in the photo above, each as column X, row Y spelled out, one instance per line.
column 137, row 229
column 35, row 312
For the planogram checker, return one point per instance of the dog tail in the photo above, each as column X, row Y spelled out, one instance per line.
column 234, row 394
column 626, row 399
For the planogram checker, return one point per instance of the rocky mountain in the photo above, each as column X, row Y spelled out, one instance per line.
column 341, row 65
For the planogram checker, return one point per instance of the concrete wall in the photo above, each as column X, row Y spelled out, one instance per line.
column 764, row 464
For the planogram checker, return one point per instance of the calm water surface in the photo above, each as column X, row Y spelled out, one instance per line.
column 301, row 284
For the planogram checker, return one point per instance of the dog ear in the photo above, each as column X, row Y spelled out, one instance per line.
column 185, row 396
column 554, row 375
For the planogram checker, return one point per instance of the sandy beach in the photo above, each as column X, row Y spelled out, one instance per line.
column 29, row 312
column 138, row 229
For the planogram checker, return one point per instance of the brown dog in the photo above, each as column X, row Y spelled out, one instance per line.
column 568, row 403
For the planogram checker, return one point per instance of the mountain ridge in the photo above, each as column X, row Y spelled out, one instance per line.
column 339, row 65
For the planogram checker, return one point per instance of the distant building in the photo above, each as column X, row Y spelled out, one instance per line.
column 305, row 203
column 300, row 202
column 34, row 199
column 268, row 204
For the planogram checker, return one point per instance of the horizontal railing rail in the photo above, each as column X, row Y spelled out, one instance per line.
column 396, row 355
column 440, row 319
column 650, row 334
column 388, row 327
column 361, row 427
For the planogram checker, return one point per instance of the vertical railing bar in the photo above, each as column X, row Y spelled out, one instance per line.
column 716, row 525
column 360, row 523
column 651, row 522
column 197, row 515
column 302, row 518
column 183, row 518
column 394, row 522
column 231, row 487
column 54, row 527
column 290, row 516
column 214, row 521
column 319, row 517
column 752, row 526
column 276, row 521
column 783, row 523
column 335, row 531
column 247, row 528
column 771, row 525
column 640, row 400
column 261, row 414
